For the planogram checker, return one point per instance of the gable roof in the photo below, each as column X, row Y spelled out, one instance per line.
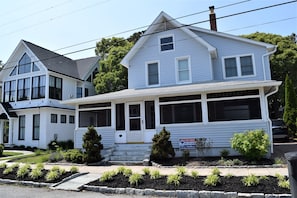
column 171, row 23
column 60, row 64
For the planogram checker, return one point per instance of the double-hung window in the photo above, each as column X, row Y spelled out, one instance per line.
column 36, row 126
column 238, row 66
column 23, row 89
column 55, row 88
column 183, row 70
column 38, row 87
column 22, row 127
column 9, row 91
column 153, row 74
column 166, row 43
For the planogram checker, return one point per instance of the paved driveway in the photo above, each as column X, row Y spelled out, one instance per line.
column 283, row 147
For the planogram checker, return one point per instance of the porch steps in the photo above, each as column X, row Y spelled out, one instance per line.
column 127, row 154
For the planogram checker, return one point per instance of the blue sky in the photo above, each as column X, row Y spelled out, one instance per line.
column 56, row 24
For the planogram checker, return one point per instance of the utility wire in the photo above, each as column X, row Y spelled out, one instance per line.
column 226, row 16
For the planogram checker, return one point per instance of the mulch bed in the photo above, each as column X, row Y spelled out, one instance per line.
column 233, row 184
column 12, row 176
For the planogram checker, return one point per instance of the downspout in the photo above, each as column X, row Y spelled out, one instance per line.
column 263, row 61
column 269, row 120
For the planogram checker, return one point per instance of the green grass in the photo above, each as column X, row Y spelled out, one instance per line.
column 10, row 154
column 34, row 158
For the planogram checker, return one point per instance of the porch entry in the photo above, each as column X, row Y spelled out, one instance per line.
column 135, row 122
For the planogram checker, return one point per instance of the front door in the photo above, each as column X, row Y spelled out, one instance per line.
column 5, row 131
column 135, row 123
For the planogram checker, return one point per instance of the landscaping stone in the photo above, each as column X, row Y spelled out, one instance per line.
column 231, row 194
column 217, row 194
column 204, row 194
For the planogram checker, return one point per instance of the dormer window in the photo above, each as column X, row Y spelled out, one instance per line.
column 166, row 43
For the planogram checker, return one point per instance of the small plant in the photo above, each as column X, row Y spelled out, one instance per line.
column 36, row 173
column 212, row 180
column 74, row 169
column 40, row 166
column 224, row 153
column 3, row 165
column 1, row 149
column 74, row 156
column 229, row 175
column 251, row 180
column 146, row 171
column 280, row 177
column 282, row 181
column 121, row 170
column 62, row 171
column 127, row 172
column 135, row 179
column 15, row 165
column 55, row 168
column 194, row 174
column 237, row 162
column 279, row 160
column 23, row 171
column 7, row 170
column 251, row 144
column 174, row 179
column 38, row 152
column 155, row 174
column 52, row 175
column 263, row 177
column 216, row 171
column 181, row 170
column 107, row 176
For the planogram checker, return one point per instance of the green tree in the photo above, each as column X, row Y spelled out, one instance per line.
column 282, row 62
column 92, row 145
column 290, row 112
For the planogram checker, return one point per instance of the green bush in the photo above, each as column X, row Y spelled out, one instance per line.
column 212, row 180
column 174, row 179
column 74, row 156
column 52, row 175
column 23, row 171
column 181, row 170
column 107, row 176
column 1, row 149
column 251, row 144
column 64, row 145
column 146, row 171
column 74, row 169
column 135, row 179
column 251, row 180
column 162, row 147
column 155, row 174
column 36, row 173
column 55, row 157
column 3, row 165
column 195, row 174
column 127, row 172
column 92, row 145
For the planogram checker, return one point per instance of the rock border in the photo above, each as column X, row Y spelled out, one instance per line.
column 181, row 193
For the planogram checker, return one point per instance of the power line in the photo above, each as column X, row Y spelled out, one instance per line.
column 226, row 16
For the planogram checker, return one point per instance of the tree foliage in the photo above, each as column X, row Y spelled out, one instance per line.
column 290, row 112
column 112, row 75
column 92, row 145
column 282, row 62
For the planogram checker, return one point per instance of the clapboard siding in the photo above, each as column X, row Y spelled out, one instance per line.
column 219, row 134
column 107, row 135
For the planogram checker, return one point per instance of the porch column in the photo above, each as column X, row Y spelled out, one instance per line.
column 10, row 139
column 1, row 131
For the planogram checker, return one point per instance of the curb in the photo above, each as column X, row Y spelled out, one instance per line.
column 181, row 193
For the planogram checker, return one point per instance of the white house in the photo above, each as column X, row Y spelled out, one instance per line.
column 197, row 83
column 34, row 81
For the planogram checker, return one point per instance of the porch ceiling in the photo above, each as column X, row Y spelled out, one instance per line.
column 128, row 94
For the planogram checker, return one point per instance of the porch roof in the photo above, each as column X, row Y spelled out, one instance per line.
column 134, row 94
column 6, row 107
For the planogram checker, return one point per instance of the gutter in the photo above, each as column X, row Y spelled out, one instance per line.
column 263, row 62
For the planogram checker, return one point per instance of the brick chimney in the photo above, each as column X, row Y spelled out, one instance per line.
column 212, row 19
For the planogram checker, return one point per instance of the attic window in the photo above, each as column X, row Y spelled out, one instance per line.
column 14, row 71
column 25, row 64
column 166, row 43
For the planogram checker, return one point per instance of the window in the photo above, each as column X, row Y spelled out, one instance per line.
column 153, row 74
column 22, row 121
column 183, row 70
column 97, row 115
column 79, row 93
column 239, row 109
column 120, row 116
column 35, row 67
column 71, row 119
column 238, row 66
column 25, row 64
column 36, row 126
column 9, row 91
column 166, row 43
column 55, row 88
column 54, row 118
column 14, row 71
column 86, row 92
column 23, row 89
column 180, row 109
column 150, row 115
column 63, row 119
column 38, row 87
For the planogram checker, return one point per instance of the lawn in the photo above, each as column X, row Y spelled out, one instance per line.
column 10, row 154
column 35, row 158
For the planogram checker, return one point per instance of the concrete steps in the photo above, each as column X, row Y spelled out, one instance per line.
column 130, row 154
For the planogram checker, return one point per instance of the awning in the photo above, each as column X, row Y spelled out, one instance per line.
column 6, row 107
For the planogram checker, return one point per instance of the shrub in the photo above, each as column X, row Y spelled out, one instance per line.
column 135, row 179
column 251, row 180
column 40, row 166
column 36, row 173
column 55, row 157
column 146, row 171
column 216, row 171
column 92, row 145
column 282, row 181
column 3, row 165
column 74, row 169
column 224, row 153
column 23, row 171
column 15, row 165
column 52, row 175
column 162, row 147
column 211, row 180
column 121, row 169
column 7, row 170
column 155, row 174
column 229, row 175
column 1, row 149
column 181, row 170
column 74, row 156
column 251, row 144
column 194, row 174
column 174, row 179
column 127, row 172
column 63, row 145
column 107, row 176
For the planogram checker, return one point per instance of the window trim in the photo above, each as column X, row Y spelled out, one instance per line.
column 71, row 119
column 56, row 115
column 160, row 45
column 238, row 66
column 177, row 70
column 147, row 73
column 11, row 92
column 23, row 89
column 56, row 92
column 39, row 87
column 64, row 120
